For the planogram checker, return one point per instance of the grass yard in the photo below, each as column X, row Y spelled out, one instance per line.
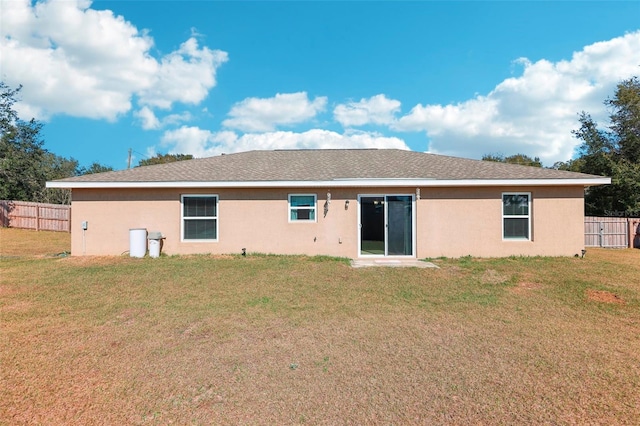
column 299, row 340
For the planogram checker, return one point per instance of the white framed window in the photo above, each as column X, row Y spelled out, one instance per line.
column 516, row 216
column 199, row 217
column 302, row 207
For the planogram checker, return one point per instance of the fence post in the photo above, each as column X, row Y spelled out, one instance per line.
column 37, row 218
column 636, row 232
column 601, row 234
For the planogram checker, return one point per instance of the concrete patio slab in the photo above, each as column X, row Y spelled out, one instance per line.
column 394, row 263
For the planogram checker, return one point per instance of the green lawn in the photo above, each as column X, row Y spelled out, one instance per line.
column 300, row 340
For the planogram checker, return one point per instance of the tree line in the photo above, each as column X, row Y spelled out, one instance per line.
column 614, row 151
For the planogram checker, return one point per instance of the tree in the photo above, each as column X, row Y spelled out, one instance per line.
column 164, row 158
column 95, row 167
column 521, row 159
column 625, row 119
column 613, row 152
column 25, row 165
column 7, row 114
column 574, row 165
column 20, row 152
column 56, row 167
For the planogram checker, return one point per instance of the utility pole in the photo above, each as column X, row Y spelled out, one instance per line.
column 129, row 160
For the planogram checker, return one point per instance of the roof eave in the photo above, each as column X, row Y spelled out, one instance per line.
column 341, row 183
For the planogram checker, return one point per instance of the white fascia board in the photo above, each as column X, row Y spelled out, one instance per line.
column 342, row 183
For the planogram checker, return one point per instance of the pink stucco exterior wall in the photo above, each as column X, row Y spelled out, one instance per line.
column 449, row 222
column 468, row 221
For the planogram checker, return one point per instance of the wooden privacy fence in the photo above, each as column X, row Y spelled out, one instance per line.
column 38, row 216
column 612, row 232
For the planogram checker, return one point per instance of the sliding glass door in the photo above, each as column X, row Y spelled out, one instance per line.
column 386, row 225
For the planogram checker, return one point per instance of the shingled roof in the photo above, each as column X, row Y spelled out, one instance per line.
column 324, row 166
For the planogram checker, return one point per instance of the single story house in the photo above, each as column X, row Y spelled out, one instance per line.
column 355, row 203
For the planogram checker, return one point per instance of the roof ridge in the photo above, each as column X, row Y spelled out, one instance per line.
column 328, row 149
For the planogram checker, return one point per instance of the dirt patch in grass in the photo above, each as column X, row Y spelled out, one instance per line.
column 604, row 297
column 491, row 276
column 6, row 290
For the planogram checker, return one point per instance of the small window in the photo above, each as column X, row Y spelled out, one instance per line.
column 199, row 218
column 302, row 208
column 516, row 219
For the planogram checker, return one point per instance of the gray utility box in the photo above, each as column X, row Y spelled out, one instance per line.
column 155, row 243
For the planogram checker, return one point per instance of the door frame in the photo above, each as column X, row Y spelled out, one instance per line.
column 386, row 225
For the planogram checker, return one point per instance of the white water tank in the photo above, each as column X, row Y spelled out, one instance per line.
column 137, row 242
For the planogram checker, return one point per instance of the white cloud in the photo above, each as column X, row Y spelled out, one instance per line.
column 149, row 120
column 83, row 62
column 533, row 113
column 204, row 143
column 376, row 110
column 469, row 118
column 314, row 139
column 185, row 75
column 265, row 114
column 174, row 119
column 189, row 140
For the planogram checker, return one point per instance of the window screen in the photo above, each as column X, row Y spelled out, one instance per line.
column 515, row 216
column 200, row 217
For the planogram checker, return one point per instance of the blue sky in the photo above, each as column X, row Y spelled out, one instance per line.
column 211, row 77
